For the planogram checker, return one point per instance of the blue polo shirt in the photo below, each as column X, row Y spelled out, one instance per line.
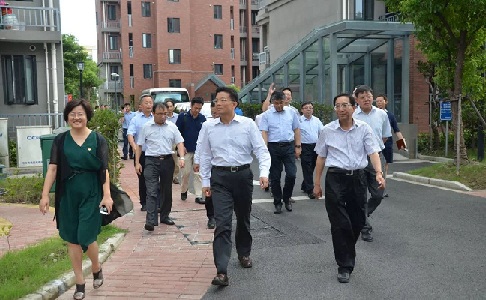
column 189, row 128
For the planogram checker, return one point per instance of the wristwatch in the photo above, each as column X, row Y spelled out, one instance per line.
column 298, row 146
column 181, row 158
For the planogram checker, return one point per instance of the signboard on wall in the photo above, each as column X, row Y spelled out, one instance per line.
column 29, row 153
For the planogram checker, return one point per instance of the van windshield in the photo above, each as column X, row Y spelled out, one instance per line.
column 178, row 97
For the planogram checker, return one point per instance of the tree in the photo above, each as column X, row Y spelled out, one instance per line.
column 452, row 35
column 74, row 53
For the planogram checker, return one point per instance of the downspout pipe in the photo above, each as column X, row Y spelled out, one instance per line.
column 55, row 90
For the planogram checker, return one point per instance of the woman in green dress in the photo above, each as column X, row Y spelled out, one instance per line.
column 79, row 166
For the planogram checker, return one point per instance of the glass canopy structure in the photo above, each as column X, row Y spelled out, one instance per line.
column 337, row 57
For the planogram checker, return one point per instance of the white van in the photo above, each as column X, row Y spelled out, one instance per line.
column 180, row 96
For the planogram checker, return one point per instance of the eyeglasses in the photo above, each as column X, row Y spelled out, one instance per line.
column 342, row 105
column 222, row 99
column 79, row 115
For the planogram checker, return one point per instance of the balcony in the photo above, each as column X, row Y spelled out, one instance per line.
column 110, row 86
column 243, row 29
column 256, row 56
column 112, row 56
column 29, row 24
column 112, row 26
column 255, row 30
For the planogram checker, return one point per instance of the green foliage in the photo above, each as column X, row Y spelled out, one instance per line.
column 74, row 53
column 106, row 122
column 22, row 189
column 234, row 87
column 12, row 152
column 25, row 271
column 424, row 147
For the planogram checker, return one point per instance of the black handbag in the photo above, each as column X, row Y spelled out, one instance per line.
column 122, row 204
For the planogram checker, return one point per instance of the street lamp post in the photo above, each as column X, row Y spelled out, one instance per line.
column 80, row 66
column 114, row 77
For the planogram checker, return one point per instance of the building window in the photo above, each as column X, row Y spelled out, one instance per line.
column 19, row 79
column 254, row 14
column 218, row 12
column 146, row 40
column 147, row 71
column 218, row 69
column 174, row 56
column 113, row 42
column 111, row 12
column 175, row 83
column 218, row 41
column 173, row 0
column 114, row 69
column 146, row 9
column 363, row 9
column 173, row 25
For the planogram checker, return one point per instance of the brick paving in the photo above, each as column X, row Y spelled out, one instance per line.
column 173, row 262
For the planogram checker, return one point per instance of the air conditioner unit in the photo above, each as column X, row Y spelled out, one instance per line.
column 232, row 80
column 262, row 58
column 266, row 49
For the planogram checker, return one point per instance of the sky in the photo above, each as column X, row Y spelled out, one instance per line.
column 79, row 20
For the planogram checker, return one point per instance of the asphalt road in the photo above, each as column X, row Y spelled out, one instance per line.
column 428, row 244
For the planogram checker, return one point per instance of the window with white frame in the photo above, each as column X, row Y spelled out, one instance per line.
column 218, row 41
column 174, row 56
column 146, row 9
column 146, row 40
column 147, row 71
column 113, row 42
column 173, row 25
column 218, row 11
column 218, row 69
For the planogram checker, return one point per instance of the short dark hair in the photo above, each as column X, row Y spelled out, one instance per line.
column 78, row 102
column 143, row 96
column 352, row 101
column 278, row 96
column 159, row 104
column 231, row 92
column 362, row 89
column 213, row 104
column 126, row 104
column 382, row 96
column 307, row 103
column 287, row 89
column 195, row 100
column 170, row 100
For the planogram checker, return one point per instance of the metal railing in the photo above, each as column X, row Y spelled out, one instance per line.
column 255, row 29
column 389, row 17
column 111, row 25
column 256, row 56
column 112, row 55
column 242, row 29
column 29, row 18
column 41, row 119
column 110, row 85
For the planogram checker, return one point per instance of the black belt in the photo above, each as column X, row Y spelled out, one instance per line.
column 232, row 168
column 281, row 144
column 344, row 171
column 165, row 156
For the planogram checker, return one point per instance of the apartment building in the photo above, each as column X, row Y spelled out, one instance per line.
column 31, row 70
column 198, row 45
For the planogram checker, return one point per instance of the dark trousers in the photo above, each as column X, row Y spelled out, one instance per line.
column 345, row 196
column 376, row 194
column 231, row 191
column 209, row 207
column 282, row 156
column 308, row 159
column 158, row 179
column 126, row 146
column 142, row 189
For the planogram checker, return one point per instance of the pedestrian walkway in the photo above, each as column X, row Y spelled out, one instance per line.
column 173, row 262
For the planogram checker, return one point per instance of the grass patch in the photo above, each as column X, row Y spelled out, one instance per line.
column 25, row 271
column 472, row 174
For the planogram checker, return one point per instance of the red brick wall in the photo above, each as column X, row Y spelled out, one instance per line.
column 419, row 90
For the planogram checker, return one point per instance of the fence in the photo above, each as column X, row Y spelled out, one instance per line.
column 15, row 120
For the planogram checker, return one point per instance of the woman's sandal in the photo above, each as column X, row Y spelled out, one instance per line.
column 98, row 279
column 80, row 292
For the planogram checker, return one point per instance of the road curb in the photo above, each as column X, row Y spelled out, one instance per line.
column 453, row 185
column 57, row 287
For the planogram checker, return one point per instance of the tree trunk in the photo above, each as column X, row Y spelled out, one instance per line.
column 456, row 93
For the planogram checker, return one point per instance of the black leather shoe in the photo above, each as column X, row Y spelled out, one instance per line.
column 267, row 189
column 386, row 195
column 278, row 209
column 144, row 207
column 200, row 200
column 343, row 276
column 288, row 206
column 221, row 280
column 366, row 236
column 132, row 156
column 183, row 196
column 245, row 261
column 311, row 195
column 149, row 227
column 211, row 223
column 124, row 157
column 167, row 221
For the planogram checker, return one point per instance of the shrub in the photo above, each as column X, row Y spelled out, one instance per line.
column 22, row 189
column 107, row 123
column 12, row 152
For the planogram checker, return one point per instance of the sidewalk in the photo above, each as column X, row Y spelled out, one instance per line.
column 173, row 262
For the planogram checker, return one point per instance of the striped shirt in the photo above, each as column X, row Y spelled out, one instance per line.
column 347, row 149
column 158, row 139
